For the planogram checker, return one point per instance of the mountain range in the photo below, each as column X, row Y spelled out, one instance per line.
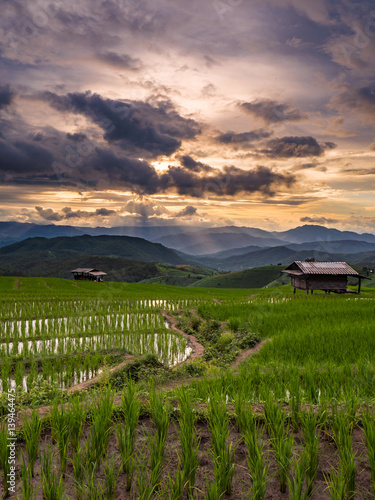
column 225, row 249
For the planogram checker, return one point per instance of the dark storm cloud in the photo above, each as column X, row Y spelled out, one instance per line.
column 120, row 60
column 23, row 158
column 133, row 125
column 193, row 165
column 188, row 211
column 288, row 147
column 318, row 220
column 244, row 137
column 358, row 100
column 271, row 111
column 67, row 213
column 231, row 181
column 6, row 96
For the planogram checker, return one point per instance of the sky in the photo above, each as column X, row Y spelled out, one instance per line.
column 209, row 113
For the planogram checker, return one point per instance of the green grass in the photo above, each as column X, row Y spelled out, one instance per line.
column 250, row 278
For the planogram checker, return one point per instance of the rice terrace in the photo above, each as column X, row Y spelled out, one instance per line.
column 135, row 391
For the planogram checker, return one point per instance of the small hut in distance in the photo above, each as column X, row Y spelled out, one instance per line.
column 327, row 276
column 89, row 274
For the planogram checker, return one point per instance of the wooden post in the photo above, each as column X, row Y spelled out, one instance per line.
column 312, row 291
column 359, row 286
column 294, row 290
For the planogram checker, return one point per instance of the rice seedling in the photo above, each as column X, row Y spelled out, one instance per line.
column 78, row 462
column 343, row 440
column 257, row 461
column 336, row 483
column 145, row 487
column 160, row 415
column 111, row 473
column 295, row 403
column 222, row 452
column 174, row 488
column 60, row 430
column 4, row 462
column 243, row 412
column 101, row 426
column 189, row 440
column 297, row 479
column 27, row 489
column 282, row 445
column 52, row 481
column 77, row 418
column 32, row 428
column 369, row 430
column 311, row 448
column 213, row 491
column 126, row 433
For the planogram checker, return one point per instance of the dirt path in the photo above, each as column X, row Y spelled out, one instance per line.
column 44, row 410
column 92, row 381
column 249, row 352
column 198, row 349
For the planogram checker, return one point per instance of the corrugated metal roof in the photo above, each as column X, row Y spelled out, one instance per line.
column 326, row 268
column 98, row 273
column 83, row 270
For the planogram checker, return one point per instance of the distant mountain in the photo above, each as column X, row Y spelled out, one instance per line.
column 196, row 240
column 308, row 233
column 34, row 250
column 283, row 255
column 210, row 242
column 340, row 246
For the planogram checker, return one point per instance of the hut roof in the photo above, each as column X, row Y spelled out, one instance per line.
column 321, row 268
column 90, row 270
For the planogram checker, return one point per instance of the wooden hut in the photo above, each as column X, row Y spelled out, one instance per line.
column 327, row 276
column 89, row 274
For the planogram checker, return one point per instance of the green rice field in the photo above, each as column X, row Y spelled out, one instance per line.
column 281, row 404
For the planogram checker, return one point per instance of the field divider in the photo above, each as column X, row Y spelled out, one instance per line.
column 249, row 352
column 197, row 347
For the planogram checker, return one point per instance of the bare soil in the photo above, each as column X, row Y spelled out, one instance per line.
column 241, row 482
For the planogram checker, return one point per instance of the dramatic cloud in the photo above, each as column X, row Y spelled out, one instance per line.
column 6, row 96
column 144, row 208
column 188, row 211
column 123, row 61
column 244, row 137
column 193, row 165
column 357, row 100
column 67, row 213
column 318, row 220
column 287, row 147
column 271, row 111
column 133, row 125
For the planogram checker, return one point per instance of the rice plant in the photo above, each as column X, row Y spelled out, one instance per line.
column 222, row 452
column 27, row 489
column 336, row 482
column 160, row 415
column 60, row 429
column 79, row 462
column 213, row 491
column 52, row 481
column 4, row 462
column 126, row 433
column 78, row 413
column 369, row 430
column 343, row 440
column 282, row 444
column 189, row 440
column 101, row 426
column 111, row 473
column 32, row 429
column 311, row 448
column 256, row 460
